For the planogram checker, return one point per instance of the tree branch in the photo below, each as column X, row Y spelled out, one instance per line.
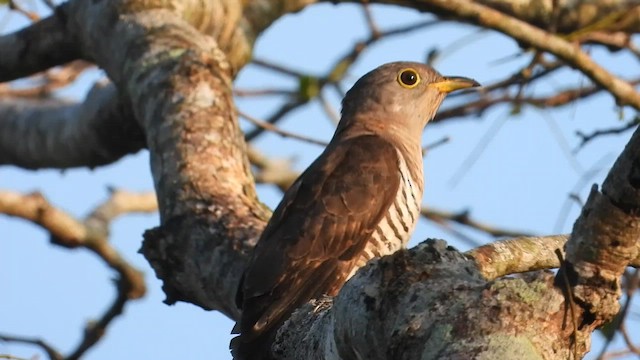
column 393, row 308
column 53, row 133
column 605, row 237
column 48, row 349
column 179, row 84
column 48, row 81
column 570, row 16
column 40, row 46
column 463, row 218
column 92, row 234
column 525, row 33
column 522, row 254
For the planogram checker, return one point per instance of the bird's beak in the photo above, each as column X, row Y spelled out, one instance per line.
column 453, row 83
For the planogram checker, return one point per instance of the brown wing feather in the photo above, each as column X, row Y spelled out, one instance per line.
column 317, row 232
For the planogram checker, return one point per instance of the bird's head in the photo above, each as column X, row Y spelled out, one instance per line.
column 398, row 98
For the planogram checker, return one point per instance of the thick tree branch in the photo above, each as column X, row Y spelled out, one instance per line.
column 45, row 44
column 58, row 134
column 522, row 254
column 430, row 302
column 179, row 84
column 605, row 237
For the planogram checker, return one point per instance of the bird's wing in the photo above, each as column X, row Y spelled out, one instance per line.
column 319, row 230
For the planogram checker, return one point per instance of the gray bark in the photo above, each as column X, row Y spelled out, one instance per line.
column 37, row 133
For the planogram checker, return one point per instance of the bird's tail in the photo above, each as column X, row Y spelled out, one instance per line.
column 256, row 348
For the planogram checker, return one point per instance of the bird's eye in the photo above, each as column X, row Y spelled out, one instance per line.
column 408, row 78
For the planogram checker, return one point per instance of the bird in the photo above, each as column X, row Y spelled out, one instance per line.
column 359, row 200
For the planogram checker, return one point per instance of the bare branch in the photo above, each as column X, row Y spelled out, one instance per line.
column 10, row 357
column 627, row 339
column 13, row 5
column 95, row 330
column 275, row 117
column 92, row 234
column 65, row 230
column 68, row 232
column 48, row 349
column 57, row 134
column 272, row 171
column 310, row 87
column 463, row 218
column 48, row 81
column 270, row 127
column 403, row 294
column 586, row 138
column 518, row 255
column 38, row 47
column 434, row 145
column 123, row 202
column 525, row 33
column 569, row 16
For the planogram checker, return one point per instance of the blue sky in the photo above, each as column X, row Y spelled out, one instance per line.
column 521, row 179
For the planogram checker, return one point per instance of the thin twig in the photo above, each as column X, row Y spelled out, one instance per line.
column 277, row 68
column 586, row 138
column 272, row 171
column 332, row 114
column 482, row 144
column 267, row 126
column 274, row 118
column 333, row 76
column 373, row 27
column 31, row 15
column 434, row 145
column 263, row 92
column 464, row 218
column 48, row 349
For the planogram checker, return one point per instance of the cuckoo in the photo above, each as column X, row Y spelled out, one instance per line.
column 360, row 199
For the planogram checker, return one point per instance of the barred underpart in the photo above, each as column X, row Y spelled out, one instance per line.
column 395, row 229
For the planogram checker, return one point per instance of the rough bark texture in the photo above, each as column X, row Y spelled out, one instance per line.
column 431, row 302
column 27, row 51
column 605, row 237
column 180, row 89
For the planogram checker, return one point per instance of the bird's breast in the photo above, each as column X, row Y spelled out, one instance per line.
column 395, row 229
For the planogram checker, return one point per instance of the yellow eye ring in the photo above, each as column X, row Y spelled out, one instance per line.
column 408, row 78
